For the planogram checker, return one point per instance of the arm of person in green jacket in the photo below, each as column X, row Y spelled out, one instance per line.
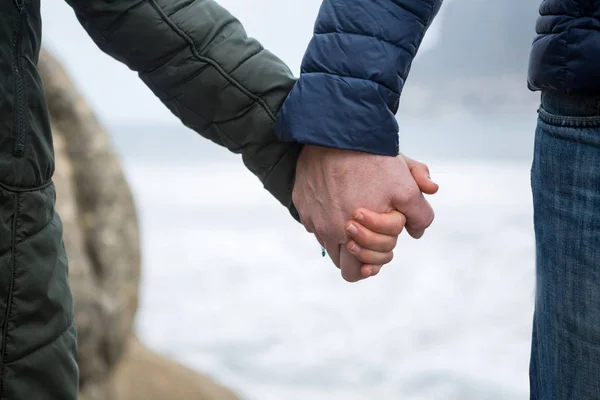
column 196, row 57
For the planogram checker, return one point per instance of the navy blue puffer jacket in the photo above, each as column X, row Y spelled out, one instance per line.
column 565, row 57
column 360, row 56
column 353, row 72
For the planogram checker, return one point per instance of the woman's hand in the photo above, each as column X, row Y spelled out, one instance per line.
column 373, row 236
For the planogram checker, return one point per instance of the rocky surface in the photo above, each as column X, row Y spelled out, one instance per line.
column 102, row 239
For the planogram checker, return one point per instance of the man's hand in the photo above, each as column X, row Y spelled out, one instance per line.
column 331, row 184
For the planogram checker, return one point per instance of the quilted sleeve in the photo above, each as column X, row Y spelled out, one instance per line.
column 196, row 57
column 353, row 72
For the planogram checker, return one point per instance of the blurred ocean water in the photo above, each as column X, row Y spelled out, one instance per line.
column 234, row 287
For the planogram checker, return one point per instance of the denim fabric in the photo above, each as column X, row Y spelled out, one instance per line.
column 565, row 178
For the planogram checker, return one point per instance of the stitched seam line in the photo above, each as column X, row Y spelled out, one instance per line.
column 431, row 16
column 537, row 355
column 256, row 99
column 24, row 189
column 9, row 300
column 183, row 5
column 351, row 77
column 296, row 147
column 409, row 11
column 244, row 61
column 220, row 33
column 563, row 70
column 114, row 24
column 182, row 82
column 367, row 35
column 43, row 345
column 235, row 117
column 212, row 62
column 215, row 125
column 33, row 235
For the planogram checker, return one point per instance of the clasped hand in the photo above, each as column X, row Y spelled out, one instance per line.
column 357, row 204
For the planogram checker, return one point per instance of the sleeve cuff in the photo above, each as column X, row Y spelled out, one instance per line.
column 340, row 112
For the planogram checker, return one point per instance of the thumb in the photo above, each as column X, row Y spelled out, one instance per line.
column 418, row 211
column 350, row 266
column 420, row 173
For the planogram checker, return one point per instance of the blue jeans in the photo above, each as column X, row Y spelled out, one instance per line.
column 565, row 178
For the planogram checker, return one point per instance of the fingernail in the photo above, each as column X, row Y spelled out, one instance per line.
column 355, row 248
column 352, row 229
column 370, row 272
column 359, row 217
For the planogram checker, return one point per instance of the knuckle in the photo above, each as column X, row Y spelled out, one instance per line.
column 408, row 193
column 430, row 218
column 365, row 257
column 373, row 219
column 391, row 244
column 306, row 223
column 296, row 197
column 372, row 257
column 420, row 164
column 365, row 237
column 399, row 225
column 412, row 191
column 388, row 257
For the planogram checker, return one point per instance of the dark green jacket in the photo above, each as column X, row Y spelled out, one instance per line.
column 197, row 59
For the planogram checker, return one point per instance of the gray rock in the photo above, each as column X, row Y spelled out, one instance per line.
column 101, row 236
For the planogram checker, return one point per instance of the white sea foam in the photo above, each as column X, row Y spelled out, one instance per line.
column 234, row 287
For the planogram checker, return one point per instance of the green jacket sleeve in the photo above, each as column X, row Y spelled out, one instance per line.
column 196, row 57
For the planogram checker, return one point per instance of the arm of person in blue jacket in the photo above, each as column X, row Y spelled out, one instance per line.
column 343, row 110
column 197, row 59
column 353, row 73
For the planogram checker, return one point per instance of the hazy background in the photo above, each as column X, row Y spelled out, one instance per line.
column 260, row 310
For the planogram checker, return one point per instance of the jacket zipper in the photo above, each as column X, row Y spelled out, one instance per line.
column 19, row 133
